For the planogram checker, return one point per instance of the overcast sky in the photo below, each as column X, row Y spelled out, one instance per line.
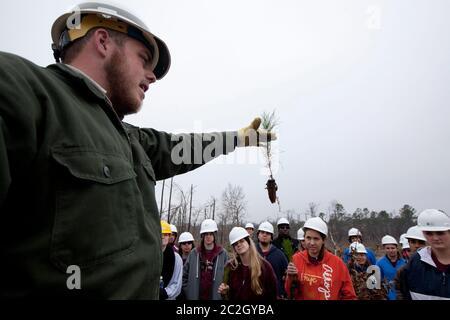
column 361, row 88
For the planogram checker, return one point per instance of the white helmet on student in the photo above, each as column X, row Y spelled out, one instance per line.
column 316, row 224
column 358, row 247
column 186, row 237
column 208, row 225
column 173, row 228
column 433, row 220
column 402, row 238
column 354, row 232
column 249, row 225
column 300, row 234
column 405, row 244
column 236, row 234
column 415, row 233
column 266, row 226
column 282, row 221
column 387, row 239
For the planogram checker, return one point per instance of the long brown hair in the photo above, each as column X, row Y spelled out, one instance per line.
column 256, row 265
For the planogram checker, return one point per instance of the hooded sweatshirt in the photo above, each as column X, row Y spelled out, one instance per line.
column 328, row 279
column 204, row 271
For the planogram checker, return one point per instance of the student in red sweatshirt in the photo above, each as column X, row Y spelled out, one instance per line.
column 322, row 275
column 247, row 276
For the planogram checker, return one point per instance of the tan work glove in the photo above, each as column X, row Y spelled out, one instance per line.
column 251, row 136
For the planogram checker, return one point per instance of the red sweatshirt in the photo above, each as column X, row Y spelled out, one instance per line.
column 327, row 280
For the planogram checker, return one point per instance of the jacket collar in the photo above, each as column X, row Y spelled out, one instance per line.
column 76, row 74
column 92, row 86
column 425, row 256
column 326, row 256
column 95, row 83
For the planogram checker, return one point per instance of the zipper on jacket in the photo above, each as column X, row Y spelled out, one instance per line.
column 215, row 270
column 198, row 263
column 444, row 279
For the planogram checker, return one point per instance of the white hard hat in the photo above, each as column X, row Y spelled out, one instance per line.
column 317, row 224
column 249, row 225
column 300, row 234
column 77, row 22
column 402, row 238
column 186, row 237
column 173, row 228
column 237, row 233
column 266, row 226
column 405, row 244
column 387, row 239
column 208, row 225
column 433, row 220
column 415, row 233
column 354, row 232
column 358, row 247
column 282, row 221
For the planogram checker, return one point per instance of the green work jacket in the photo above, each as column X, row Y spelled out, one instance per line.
column 78, row 214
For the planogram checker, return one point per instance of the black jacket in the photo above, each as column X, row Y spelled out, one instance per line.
column 279, row 264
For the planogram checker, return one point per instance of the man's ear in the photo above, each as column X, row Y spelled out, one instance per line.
column 102, row 42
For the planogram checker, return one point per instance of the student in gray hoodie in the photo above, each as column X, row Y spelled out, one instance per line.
column 203, row 270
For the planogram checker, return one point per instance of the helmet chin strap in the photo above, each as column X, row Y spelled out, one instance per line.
column 56, row 53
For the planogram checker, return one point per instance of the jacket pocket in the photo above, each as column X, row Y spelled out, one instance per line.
column 149, row 170
column 95, row 214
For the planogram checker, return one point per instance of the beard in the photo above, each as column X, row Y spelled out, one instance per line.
column 121, row 86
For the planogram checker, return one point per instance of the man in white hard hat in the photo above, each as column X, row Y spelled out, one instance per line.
column 415, row 240
column 203, row 270
column 405, row 253
column 284, row 241
column 354, row 235
column 186, row 243
column 68, row 159
column 301, row 239
column 426, row 277
column 390, row 263
column 272, row 254
column 250, row 228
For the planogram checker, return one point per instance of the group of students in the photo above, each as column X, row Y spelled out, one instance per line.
column 263, row 268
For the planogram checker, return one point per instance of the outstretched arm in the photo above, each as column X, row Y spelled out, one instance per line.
column 173, row 154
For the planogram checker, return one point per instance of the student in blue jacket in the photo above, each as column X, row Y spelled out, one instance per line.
column 390, row 263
